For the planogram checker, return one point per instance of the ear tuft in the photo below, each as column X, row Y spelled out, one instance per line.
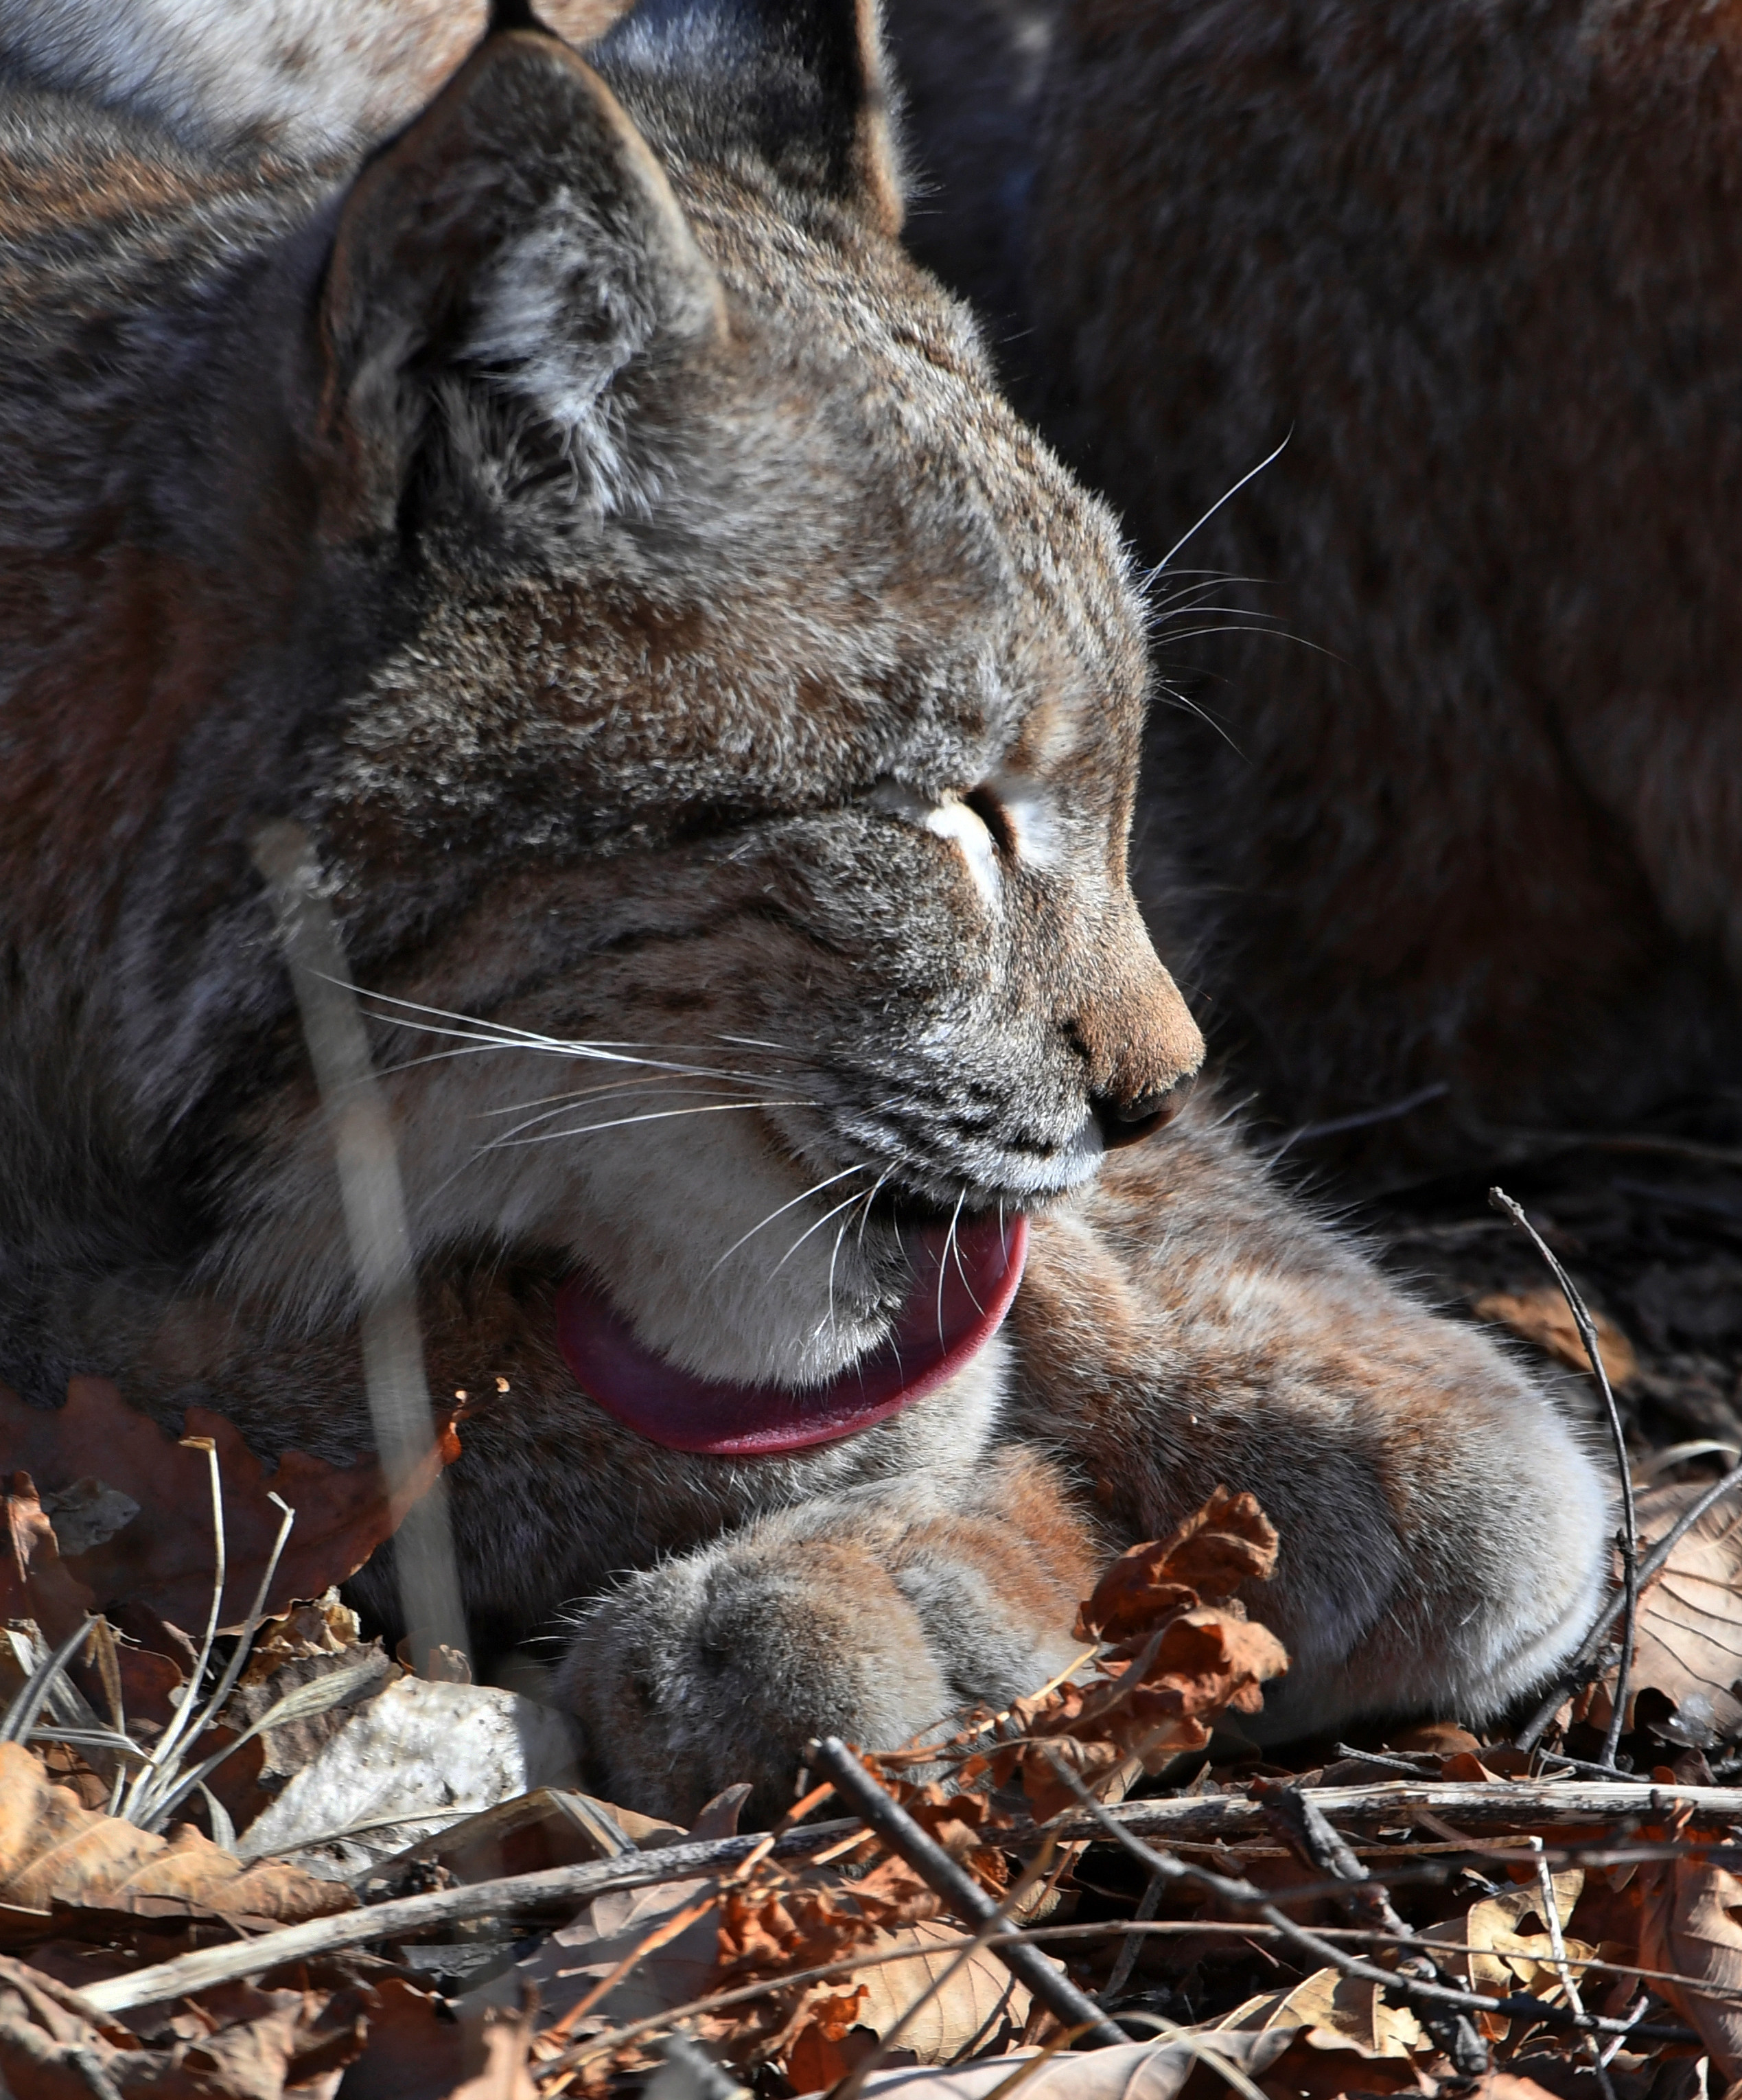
column 805, row 81
column 510, row 253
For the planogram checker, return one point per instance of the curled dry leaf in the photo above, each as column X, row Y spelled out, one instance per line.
column 1487, row 1949
column 259, row 2045
column 1182, row 1653
column 1229, row 1542
column 1689, row 1628
column 35, row 1582
column 163, row 1558
column 1690, row 1925
column 982, row 2005
column 53, row 1851
column 787, row 1924
column 1328, row 2016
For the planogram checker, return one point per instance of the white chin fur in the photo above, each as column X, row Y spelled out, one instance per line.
column 730, row 1259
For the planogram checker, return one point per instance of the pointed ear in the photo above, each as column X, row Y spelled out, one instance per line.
column 805, row 80
column 498, row 264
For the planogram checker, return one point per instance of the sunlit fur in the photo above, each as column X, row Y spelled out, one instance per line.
column 717, row 717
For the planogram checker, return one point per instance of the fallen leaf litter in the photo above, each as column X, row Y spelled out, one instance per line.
column 485, row 1928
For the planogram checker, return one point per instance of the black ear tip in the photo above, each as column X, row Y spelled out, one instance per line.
column 513, row 14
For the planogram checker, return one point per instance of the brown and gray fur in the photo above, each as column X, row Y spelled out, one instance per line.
column 1480, row 826
column 583, row 517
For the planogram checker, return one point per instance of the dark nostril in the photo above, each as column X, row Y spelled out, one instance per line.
column 1127, row 1122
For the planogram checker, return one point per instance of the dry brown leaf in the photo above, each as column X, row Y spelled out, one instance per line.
column 829, row 2043
column 982, row 2007
column 249, row 2045
column 1201, row 1663
column 163, row 1558
column 1486, row 1948
column 1229, row 1542
column 35, row 1583
column 1544, row 1317
column 1137, row 2071
column 567, row 1966
column 1690, row 1924
column 1689, row 1628
column 1337, row 2011
column 54, row 1851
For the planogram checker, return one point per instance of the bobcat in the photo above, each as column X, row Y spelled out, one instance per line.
column 1477, row 263
column 718, row 717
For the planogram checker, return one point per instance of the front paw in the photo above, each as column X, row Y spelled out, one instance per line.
column 875, row 1622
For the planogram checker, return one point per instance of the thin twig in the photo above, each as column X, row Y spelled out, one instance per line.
column 854, row 2083
column 376, row 1225
column 1192, row 1819
column 1148, row 1904
column 1302, row 1825
column 1242, row 1896
column 1629, row 1540
column 1575, row 1673
column 851, row 1964
column 860, row 1791
column 1550, row 1900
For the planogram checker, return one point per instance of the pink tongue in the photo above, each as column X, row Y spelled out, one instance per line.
column 954, row 1309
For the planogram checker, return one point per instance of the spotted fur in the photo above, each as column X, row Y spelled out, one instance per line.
column 717, row 717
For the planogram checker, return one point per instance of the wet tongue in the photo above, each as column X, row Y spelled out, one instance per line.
column 962, row 1291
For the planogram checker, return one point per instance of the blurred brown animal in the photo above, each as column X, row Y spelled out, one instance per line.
column 1479, row 828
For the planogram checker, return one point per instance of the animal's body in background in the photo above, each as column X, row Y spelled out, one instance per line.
column 718, row 718
column 1478, row 827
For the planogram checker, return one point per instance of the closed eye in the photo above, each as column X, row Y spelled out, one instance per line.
column 964, row 821
column 994, row 816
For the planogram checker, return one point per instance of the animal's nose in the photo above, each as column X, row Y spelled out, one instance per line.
column 1126, row 1122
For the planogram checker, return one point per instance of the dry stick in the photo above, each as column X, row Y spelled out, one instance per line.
column 1549, row 1899
column 375, row 1224
column 1068, row 2006
column 1304, row 1829
column 1577, row 1671
column 720, row 2001
column 854, row 2083
column 1242, row 1896
column 1148, row 1904
column 1629, row 1540
column 1195, row 1818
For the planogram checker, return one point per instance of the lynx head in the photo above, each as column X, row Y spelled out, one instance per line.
column 719, row 723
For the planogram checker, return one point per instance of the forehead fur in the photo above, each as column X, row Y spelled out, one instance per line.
column 844, row 558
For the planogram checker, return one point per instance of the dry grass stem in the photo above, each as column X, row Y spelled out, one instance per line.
column 377, row 1227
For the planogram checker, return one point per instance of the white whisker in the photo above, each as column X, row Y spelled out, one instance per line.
column 949, row 1242
column 808, row 1229
column 793, row 1205
column 961, row 1272
column 1251, row 474
column 564, row 1104
column 622, row 1123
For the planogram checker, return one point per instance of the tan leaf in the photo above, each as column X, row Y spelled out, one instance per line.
column 1689, row 1630
column 1337, row 2011
column 1136, row 2070
column 54, row 1851
column 1493, row 1956
column 1543, row 1317
column 982, row 2007
column 1691, row 1926
column 163, row 1558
